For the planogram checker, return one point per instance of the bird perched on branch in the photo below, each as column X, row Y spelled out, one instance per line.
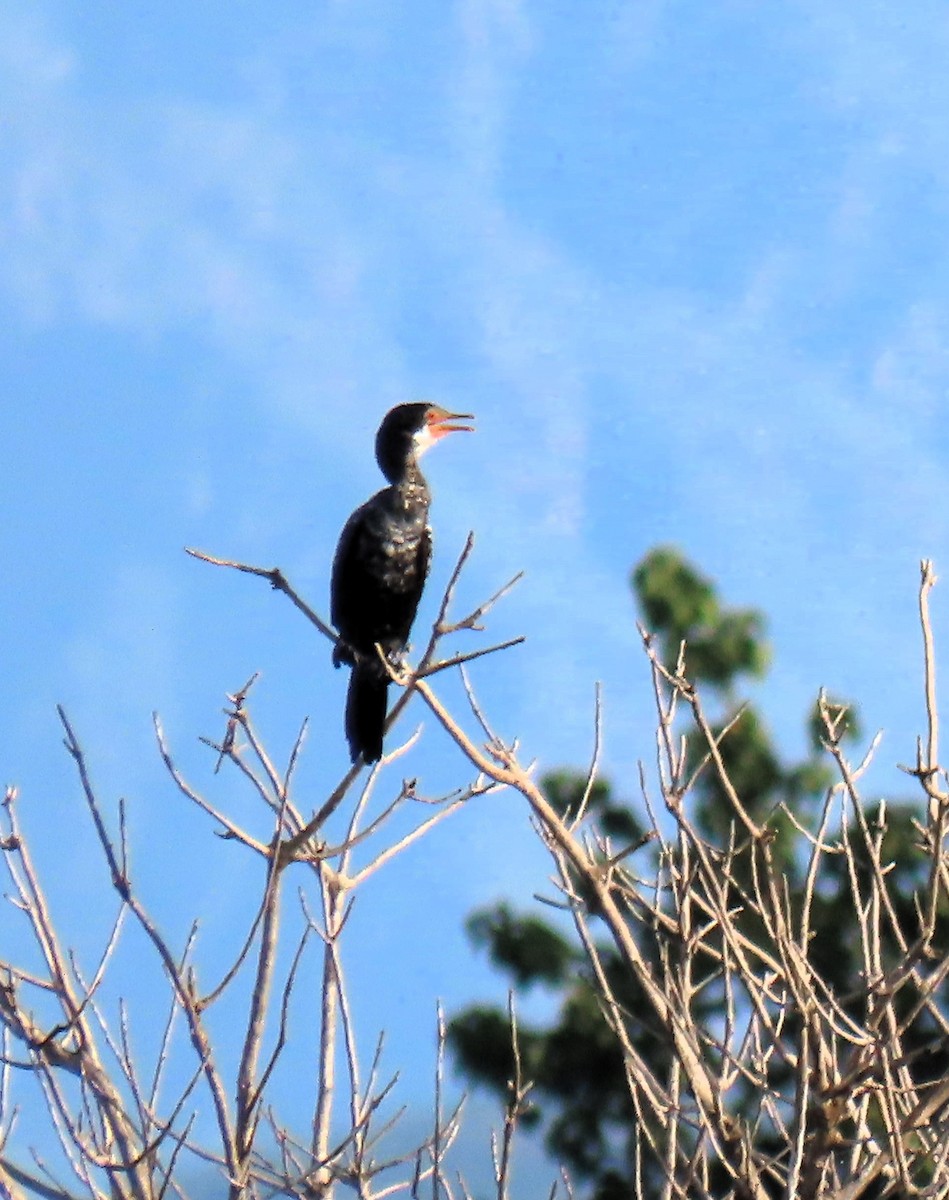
column 380, row 567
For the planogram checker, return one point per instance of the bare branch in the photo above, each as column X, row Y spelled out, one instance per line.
column 277, row 581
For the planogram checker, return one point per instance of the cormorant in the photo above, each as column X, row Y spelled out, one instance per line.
column 380, row 567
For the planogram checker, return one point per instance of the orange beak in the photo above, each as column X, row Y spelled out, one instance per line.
column 440, row 422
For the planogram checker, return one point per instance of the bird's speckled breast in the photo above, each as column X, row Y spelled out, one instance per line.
column 394, row 536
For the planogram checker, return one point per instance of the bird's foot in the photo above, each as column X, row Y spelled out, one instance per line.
column 344, row 653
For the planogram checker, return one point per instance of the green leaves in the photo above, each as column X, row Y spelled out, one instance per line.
column 565, row 790
column 679, row 604
column 526, row 947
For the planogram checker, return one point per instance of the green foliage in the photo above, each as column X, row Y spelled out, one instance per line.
column 530, row 949
column 580, row 1093
column 566, row 789
column 481, row 1040
column 674, row 599
column 678, row 605
column 840, row 711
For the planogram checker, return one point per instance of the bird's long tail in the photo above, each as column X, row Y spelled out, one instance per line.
column 366, row 709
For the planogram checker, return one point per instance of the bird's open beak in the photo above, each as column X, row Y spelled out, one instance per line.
column 441, row 422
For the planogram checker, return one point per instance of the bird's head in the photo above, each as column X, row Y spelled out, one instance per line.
column 407, row 432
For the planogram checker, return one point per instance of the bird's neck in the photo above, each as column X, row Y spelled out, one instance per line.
column 410, row 475
column 409, row 488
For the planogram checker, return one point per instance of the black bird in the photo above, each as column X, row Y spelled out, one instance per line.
column 380, row 568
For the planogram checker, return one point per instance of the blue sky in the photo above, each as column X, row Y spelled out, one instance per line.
column 686, row 262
